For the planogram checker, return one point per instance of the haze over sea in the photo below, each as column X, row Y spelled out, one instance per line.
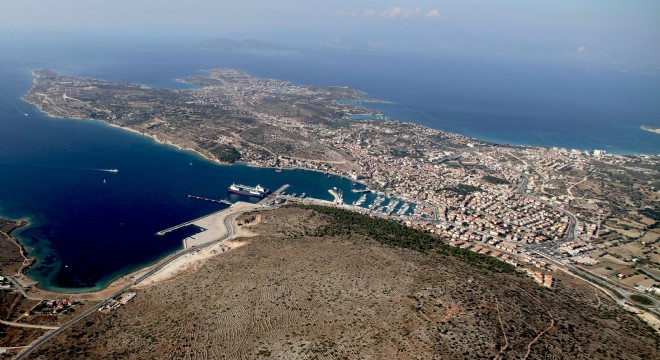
column 86, row 232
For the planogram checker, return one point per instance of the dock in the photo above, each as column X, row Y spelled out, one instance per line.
column 282, row 188
column 175, row 227
column 356, row 191
column 191, row 222
column 213, row 226
column 210, row 200
column 337, row 195
column 274, row 193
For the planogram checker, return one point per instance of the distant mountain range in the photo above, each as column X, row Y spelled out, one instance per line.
column 241, row 45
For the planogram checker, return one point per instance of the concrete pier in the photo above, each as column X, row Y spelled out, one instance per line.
column 213, row 225
column 210, row 200
column 175, row 227
column 274, row 193
column 282, row 188
column 338, row 198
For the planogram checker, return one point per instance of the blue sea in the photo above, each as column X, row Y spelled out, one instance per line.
column 88, row 226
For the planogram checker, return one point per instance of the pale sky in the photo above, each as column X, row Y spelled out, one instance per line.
column 604, row 31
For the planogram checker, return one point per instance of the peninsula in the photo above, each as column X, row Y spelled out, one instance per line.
column 558, row 215
column 525, row 205
column 464, row 188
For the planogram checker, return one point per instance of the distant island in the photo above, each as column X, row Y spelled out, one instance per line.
column 653, row 129
column 241, row 45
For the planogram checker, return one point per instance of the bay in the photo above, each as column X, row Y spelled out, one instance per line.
column 86, row 232
column 89, row 226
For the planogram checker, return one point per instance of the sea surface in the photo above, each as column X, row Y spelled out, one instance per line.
column 89, row 226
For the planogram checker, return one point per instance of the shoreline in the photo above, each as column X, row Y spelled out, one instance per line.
column 137, row 132
column 216, row 161
column 27, row 261
column 85, row 294
column 122, row 278
column 485, row 141
column 163, row 274
column 205, row 156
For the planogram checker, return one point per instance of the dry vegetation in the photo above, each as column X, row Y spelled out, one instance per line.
column 11, row 259
column 289, row 144
column 12, row 305
column 290, row 295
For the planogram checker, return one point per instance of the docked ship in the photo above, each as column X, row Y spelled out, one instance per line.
column 257, row 191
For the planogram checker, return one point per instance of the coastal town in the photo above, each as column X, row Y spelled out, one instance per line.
column 526, row 205
column 590, row 214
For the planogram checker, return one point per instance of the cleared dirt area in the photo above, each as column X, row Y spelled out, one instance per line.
column 286, row 294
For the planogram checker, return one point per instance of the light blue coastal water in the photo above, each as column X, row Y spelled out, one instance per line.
column 90, row 226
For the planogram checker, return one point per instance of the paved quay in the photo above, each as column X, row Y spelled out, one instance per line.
column 213, row 225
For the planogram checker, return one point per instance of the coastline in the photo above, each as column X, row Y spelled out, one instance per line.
column 132, row 130
column 206, row 156
column 7, row 235
column 214, row 160
column 28, row 261
column 123, row 279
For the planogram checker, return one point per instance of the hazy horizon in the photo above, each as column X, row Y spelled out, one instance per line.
column 617, row 34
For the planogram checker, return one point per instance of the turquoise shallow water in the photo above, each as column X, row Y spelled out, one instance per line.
column 86, row 232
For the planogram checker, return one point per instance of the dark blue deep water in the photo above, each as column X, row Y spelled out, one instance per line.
column 86, row 232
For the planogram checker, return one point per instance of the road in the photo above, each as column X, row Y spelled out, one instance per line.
column 577, row 183
column 18, row 287
column 602, row 284
column 32, row 326
column 522, row 187
column 228, row 223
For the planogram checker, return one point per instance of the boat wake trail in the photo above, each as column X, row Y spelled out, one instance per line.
column 108, row 170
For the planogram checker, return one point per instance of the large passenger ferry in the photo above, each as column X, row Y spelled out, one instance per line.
column 258, row 191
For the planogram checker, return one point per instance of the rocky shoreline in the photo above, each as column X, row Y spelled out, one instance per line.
column 13, row 256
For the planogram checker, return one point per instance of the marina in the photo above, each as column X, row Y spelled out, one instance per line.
column 361, row 200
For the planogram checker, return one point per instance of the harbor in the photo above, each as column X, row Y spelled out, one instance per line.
column 212, row 226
